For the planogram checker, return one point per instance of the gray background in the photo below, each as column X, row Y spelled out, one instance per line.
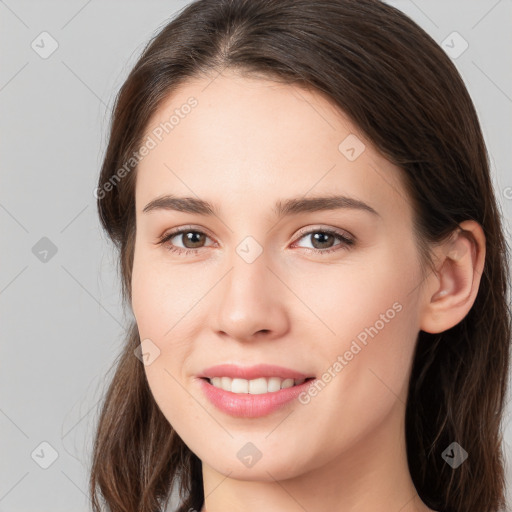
column 62, row 322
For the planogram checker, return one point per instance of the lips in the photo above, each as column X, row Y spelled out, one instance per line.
column 245, row 405
column 252, row 372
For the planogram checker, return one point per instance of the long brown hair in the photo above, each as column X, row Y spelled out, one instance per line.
column 400, row 88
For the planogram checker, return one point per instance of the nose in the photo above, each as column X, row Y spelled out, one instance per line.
column 251, row 302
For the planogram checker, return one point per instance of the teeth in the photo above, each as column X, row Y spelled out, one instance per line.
column 255, row 386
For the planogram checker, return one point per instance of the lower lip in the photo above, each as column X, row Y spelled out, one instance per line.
column 246, row 405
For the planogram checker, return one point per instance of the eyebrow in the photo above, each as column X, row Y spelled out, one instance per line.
column 284, row 208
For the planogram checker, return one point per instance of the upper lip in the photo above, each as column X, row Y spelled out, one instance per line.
column 252, row 372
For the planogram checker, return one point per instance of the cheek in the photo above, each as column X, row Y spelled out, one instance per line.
column 161, row 296
column 164, row 304
column 374, row 346
column 160, row 304
column 364, row 301
column 365, row 374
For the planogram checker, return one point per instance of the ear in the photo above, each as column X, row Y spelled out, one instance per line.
column 450, row 291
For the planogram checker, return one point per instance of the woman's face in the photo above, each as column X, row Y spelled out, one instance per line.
column 273, row 277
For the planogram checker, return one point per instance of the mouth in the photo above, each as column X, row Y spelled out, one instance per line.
column 256, row 397
column 258, row 386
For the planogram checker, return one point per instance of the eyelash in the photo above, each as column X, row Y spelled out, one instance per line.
column 345, row 244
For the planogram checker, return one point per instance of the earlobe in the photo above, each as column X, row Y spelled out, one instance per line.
column 451, row 291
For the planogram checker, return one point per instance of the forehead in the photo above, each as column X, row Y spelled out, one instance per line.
column 230, row 136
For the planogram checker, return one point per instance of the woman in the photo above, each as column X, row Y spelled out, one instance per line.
column 313, row 254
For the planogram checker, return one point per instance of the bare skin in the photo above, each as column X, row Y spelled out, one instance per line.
column 246, row 145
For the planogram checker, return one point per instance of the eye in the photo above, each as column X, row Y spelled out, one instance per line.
column 322, row 240
column 192, row 241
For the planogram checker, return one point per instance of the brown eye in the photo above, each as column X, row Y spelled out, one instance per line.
column 323, row 241
column 192, row 239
